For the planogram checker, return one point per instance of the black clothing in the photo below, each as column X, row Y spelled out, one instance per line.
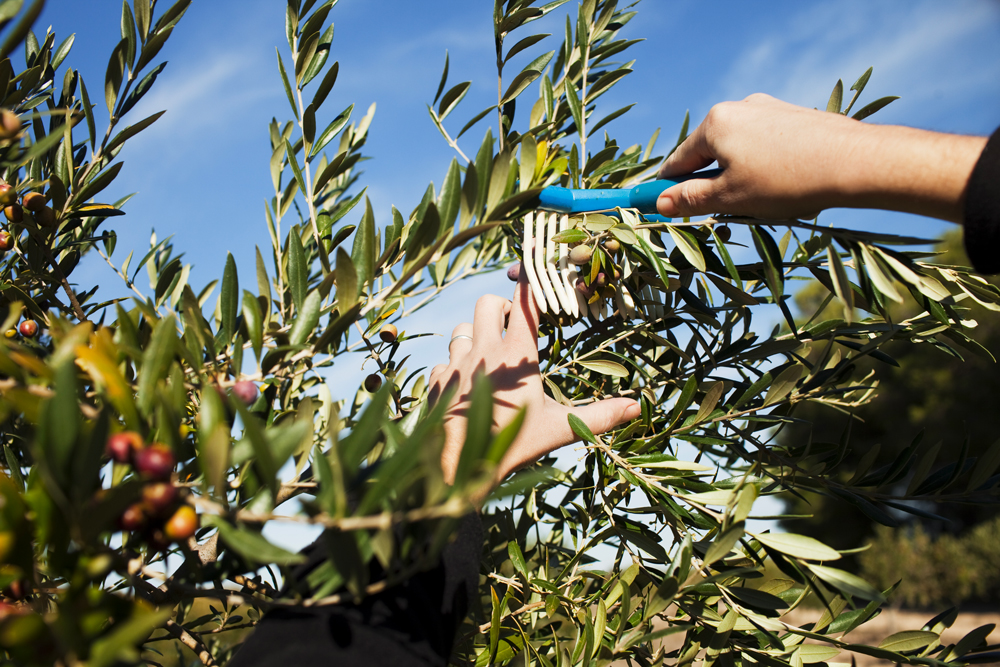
column 982, row 210
column 410, row 625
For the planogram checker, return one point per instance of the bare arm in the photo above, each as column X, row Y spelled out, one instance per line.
column 783, row 161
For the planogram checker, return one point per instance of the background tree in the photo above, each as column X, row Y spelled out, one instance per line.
column 149, row 441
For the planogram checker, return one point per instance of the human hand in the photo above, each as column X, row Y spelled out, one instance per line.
column 780, row 161
column 511, row 363
column 783, row 161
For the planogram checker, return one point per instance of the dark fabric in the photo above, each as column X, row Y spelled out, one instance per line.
column 410, row 625
column 982, row 210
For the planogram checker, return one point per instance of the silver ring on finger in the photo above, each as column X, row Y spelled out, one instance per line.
column 454, row 338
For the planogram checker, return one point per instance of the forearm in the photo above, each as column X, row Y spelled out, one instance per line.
column 904, row 169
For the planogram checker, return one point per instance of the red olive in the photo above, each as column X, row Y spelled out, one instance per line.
column 28, row 328
column 246, row 391
column 6, row 241
column 154, row 462
column 133, row 518
column 122, row 446
column 583, row 288
column 159, row 497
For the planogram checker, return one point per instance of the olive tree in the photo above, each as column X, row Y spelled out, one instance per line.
column 148, row 441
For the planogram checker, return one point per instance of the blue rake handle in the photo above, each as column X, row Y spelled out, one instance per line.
column 642, row 197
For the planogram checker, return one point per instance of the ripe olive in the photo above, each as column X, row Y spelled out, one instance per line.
column 246, row 391
column 388, row 333
column 28, row 328
column 8, row 195
column 6, row 241
column 583, row 288
column 601, row 279
column 33, row 201
column 182, row 524
column 46, row 217
column 724, row 233
column 121, row 446
column 373, row 383
column 154, row 462
column 133, row 518
column 14, row 212
column 159, row 497
column 10, row 125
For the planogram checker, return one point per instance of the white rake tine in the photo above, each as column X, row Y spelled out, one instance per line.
column 528, row 253
column 604, row 308
column 540, row 262
column 574, row 297
column 619, row 303
column 650, row 303
column 626, row 304
column 550, row 264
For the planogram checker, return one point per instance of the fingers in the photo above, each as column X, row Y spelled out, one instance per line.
column 693, row 154
column 522, row 329
column 461, row 342
column 488, row 321
column 698, row 196
column 605, row 415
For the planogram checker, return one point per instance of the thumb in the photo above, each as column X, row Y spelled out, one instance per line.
column 698, row 196
column 605, row 415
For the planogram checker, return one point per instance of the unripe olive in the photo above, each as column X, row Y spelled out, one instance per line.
column 159, row 497
column 121, row 446
column 246, row 391
column 10, row 333
column 580, row 254
column 14, row 212
column 8, row 195
column 388, row 333
column 154, row 462
column 724, row 233
column 133, row 518
column 373, row 383
column 28, row 328
column 612, row 245
column 10, row 124
column 46, row 217
column 33, row 201
column 514, row 271
column 182, row 524
column 6, row 241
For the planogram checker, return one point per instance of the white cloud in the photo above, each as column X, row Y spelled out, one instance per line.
column 920, row 50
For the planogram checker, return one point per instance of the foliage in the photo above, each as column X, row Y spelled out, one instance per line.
column 667, row 497
column 939, row 571
column 941, row 395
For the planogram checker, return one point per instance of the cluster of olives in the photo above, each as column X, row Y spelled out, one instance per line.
column 582, row 254
column 161, row 516
column 387, row 334
column 28, row 328
column 33, row 202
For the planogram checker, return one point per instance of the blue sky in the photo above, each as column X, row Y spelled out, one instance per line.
column 201, row 171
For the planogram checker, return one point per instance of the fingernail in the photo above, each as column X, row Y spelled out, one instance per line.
column 513, row 271
column 665, row 205
column 633, row 411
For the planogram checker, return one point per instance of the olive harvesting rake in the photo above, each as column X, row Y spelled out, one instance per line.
column 551, row 266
